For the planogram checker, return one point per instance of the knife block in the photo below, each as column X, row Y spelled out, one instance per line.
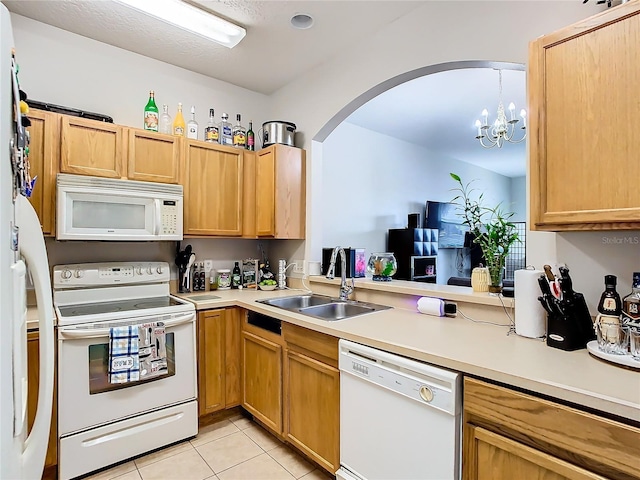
column 574, row 329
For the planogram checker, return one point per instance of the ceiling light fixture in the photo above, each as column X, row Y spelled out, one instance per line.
column 302, row 21
column 503, row 129
column 191, row 19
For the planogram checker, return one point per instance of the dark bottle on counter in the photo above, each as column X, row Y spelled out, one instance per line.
column 610, row 303
column 202, row 277
column 631, row 303
column 236, row 277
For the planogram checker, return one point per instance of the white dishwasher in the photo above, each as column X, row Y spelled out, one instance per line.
column 399, row 419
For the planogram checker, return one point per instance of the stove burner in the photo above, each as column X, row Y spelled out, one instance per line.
column 117, row 306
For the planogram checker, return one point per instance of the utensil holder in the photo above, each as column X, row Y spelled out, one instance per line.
column 572, row 329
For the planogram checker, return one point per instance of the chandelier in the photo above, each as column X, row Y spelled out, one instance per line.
column 503, row 129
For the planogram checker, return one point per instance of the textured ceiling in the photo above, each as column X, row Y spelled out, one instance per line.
column 271, row 55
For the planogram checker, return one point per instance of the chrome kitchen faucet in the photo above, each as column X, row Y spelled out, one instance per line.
column 345, row 290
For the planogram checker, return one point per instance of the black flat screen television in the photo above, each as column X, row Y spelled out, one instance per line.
column 445, row 217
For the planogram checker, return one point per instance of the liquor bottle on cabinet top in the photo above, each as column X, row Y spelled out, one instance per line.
column 610, row 303
column 251, row 140
column 226, row 136
column 192, row 126
column 151, row 114
column 211, row 132
column 631, row 303
column 239, row 134
column 164, row 125
column 178, row 122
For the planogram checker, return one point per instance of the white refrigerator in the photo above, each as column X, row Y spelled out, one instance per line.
column 22, row 252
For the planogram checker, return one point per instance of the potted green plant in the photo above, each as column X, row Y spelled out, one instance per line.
column 491, row 229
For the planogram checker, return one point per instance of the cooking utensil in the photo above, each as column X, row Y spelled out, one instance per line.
column 566, row 284
column 278, row 132
column 553, row 282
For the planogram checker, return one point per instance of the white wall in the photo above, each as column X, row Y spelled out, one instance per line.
column 518, row 195
column 372, row 181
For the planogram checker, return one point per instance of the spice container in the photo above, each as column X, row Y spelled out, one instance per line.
column 224, row 279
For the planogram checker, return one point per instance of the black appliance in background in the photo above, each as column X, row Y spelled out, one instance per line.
column 350, row 254
column 417, row 247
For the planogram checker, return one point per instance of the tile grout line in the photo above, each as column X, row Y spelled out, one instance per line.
column 244, row 461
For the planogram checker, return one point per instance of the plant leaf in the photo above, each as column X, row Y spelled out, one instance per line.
column 455, row 177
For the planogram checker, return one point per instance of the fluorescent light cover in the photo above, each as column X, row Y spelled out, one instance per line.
column 191, row 19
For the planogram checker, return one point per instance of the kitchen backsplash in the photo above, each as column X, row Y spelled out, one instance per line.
column 223, row 251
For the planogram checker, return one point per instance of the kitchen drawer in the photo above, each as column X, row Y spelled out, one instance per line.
column 316, row 345
column 598, row 444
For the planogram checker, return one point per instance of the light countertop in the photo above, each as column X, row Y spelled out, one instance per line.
column 473, row 348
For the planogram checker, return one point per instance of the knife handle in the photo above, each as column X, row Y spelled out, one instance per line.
column 549, row 273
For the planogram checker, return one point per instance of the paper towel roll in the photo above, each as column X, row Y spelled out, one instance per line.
column 531, row 318
column 431, row 306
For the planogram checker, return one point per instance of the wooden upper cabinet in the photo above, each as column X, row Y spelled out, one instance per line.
column 89, row 147
column 213, row 189
column 280, row 192
column 584, row 134
column 265, row 192
column 153, row 157
column 249, row 195
column 43, row 158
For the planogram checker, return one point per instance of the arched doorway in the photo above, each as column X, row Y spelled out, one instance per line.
column 318, row 205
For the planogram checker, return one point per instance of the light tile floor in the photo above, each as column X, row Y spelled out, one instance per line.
column 231, row 449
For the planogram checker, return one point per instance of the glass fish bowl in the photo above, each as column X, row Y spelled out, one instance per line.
column 382, row 266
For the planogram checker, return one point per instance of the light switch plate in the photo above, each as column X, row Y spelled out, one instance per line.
column 208, row 265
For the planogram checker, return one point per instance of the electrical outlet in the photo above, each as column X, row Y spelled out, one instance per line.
column 208, row 265
column 298, row 266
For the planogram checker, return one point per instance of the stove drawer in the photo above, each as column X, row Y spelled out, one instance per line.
column 97, row 448
column 86, row 399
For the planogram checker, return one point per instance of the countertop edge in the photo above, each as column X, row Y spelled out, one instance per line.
column 591, row 400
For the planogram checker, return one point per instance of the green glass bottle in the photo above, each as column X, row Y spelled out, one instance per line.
column 251, row 142
column 151, row 114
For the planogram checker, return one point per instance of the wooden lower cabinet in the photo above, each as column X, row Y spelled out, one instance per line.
column 33, row 362
column 512, row 435
column 218, row 360
column 312, row 395
column 262, row 377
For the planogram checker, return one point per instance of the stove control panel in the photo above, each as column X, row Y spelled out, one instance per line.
column 85, row 275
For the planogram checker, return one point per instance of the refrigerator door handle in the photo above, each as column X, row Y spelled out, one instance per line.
column 34, row 252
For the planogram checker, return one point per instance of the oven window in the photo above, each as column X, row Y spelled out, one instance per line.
column 120, row 216
column 99, row 368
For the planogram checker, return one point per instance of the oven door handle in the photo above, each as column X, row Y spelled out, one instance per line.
column 75, row 333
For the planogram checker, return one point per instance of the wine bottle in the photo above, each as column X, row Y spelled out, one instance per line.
column 251, row 141
column 178, row 122
column 151, row 114
column 236, row 278
column 192, row 126
column 239, row 134
column 610, row 303
column 165, row 120
column 211, row 132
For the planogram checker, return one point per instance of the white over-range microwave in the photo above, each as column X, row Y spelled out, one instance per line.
column 93, row 208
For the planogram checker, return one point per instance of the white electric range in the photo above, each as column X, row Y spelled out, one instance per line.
column 100, row 423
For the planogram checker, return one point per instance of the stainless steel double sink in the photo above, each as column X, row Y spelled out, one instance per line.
column 323, row 307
